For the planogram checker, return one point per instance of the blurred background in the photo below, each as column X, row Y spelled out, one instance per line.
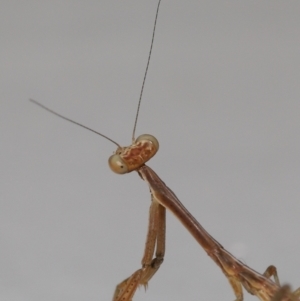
column 223, row 98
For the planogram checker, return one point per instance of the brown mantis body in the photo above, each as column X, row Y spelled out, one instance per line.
column 238, row 274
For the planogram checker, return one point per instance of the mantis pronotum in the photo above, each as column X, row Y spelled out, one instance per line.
column 134, row 157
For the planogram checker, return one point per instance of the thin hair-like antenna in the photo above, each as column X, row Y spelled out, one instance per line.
column 63, row 117
column 141, row 94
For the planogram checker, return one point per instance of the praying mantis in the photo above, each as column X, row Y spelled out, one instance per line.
column 134, row 158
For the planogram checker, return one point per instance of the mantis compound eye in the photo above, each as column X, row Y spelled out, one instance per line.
column 117, row 164
column 150, row 138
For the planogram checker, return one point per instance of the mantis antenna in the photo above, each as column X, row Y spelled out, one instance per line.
column 149, row 56
column 68, row 119
column 139, row 103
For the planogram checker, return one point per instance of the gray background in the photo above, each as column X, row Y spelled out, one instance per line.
column 223, row 99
